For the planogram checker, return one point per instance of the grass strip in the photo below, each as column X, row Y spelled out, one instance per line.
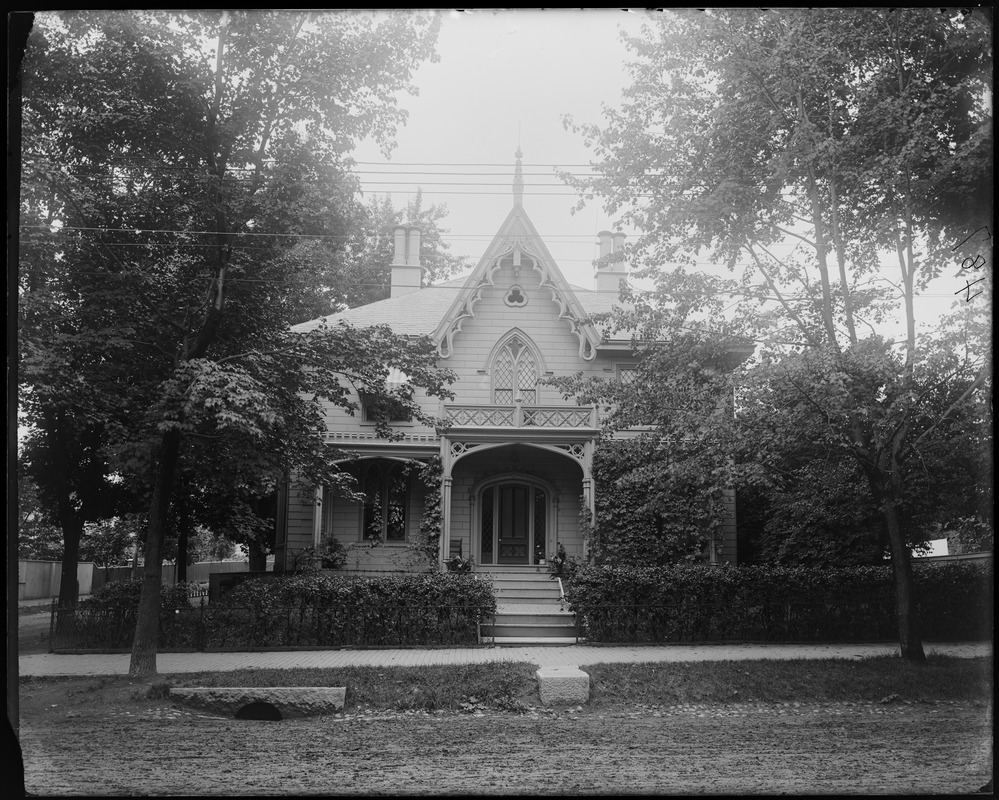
column 513, row 686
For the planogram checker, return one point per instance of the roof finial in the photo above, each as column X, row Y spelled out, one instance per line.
column 518, row 181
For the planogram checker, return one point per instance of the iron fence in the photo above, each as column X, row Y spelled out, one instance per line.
column 218, row 627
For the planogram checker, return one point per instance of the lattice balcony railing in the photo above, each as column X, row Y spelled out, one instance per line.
column 521, row 416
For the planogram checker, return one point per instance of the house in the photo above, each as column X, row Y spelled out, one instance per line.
column 516, row 457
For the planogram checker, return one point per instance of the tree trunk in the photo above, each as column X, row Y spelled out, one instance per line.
column 69, row 585
column 184, row 529
column 910, row 643
column 143, row 662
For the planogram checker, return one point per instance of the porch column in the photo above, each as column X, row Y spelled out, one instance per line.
column 445, row 544
column 317, row 521
column 589, row 493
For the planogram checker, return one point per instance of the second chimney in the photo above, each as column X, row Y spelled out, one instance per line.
column 407, row 274
column 611, row 269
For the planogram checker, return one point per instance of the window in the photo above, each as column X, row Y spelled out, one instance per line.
column 375, row 408
column 515, row 373
column 386, row 497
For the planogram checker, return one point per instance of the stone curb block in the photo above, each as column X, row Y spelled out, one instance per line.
column 299, row 701
column 563, row 686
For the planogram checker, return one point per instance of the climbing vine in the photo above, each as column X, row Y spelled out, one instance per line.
column 428, row 537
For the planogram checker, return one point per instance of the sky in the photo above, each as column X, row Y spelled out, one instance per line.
column 505, row 80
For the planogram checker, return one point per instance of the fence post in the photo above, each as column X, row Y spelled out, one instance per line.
column 201, row 625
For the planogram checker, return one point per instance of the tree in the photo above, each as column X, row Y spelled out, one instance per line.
column 853, row 133
column 188, row 155
column 37, row 537
column 110, row 541
column 369, row 263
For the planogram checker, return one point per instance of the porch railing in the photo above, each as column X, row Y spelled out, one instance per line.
column 521, row 416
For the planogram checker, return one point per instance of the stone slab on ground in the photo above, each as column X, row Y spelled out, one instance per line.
column 290, row 701
column 563, row 686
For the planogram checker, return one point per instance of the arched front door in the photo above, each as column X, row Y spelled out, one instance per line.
column 513, row 522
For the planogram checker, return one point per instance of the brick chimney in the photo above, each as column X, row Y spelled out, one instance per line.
column 608, row 272
column 407, row 274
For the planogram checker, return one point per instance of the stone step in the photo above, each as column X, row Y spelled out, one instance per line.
column 536, row 630
column 532, row 641
column 527, row 591
column 524, row 583
column 534, row 617
column 493, row 569
column 515, row 600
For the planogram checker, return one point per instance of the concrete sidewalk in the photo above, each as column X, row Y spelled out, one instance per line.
column 50, row 664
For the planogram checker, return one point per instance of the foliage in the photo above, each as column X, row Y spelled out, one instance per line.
column 111, row 541
column 122, row 597
column 459, row 564
column 318, row 589
column 173, row 349
column 106, row 619
column 432, row 519
column 561, row 565
column 333, row 554
column 37, row 536
column 318, row 609
column 210, row 546
column 692, row 602
column 634, row 526
column 367, row 271
column 859, row 135
column 971, row 535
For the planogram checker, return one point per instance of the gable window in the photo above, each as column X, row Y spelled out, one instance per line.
column 386, row 497
column 515, row 373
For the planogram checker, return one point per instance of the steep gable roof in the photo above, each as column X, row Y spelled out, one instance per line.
column 440, row 310
column 518, row 238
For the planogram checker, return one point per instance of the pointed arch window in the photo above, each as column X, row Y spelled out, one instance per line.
column 515, row 373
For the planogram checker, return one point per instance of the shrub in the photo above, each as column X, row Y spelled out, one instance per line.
column 697, row 602
column 332, row 610
column 107, row 618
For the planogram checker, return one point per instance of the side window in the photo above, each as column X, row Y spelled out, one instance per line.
column 386, row 498
column 373, row 409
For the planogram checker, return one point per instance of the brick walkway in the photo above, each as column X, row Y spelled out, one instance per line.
column 50, row 664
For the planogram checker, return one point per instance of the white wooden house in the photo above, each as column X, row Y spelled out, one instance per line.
column 516, row 457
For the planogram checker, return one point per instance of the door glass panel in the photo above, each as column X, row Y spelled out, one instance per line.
column 540, row 521
column 487, row 526
column 514, row 521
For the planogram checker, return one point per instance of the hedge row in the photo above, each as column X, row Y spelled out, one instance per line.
column 106, row 619
column 760, row 603
column 325, row 610
column 305, row 610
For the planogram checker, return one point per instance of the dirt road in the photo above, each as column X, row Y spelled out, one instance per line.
column 154, row 748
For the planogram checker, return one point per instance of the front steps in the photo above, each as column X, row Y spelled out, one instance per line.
column 528, row 608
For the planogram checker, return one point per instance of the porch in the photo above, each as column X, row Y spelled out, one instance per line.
column 516, row 481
